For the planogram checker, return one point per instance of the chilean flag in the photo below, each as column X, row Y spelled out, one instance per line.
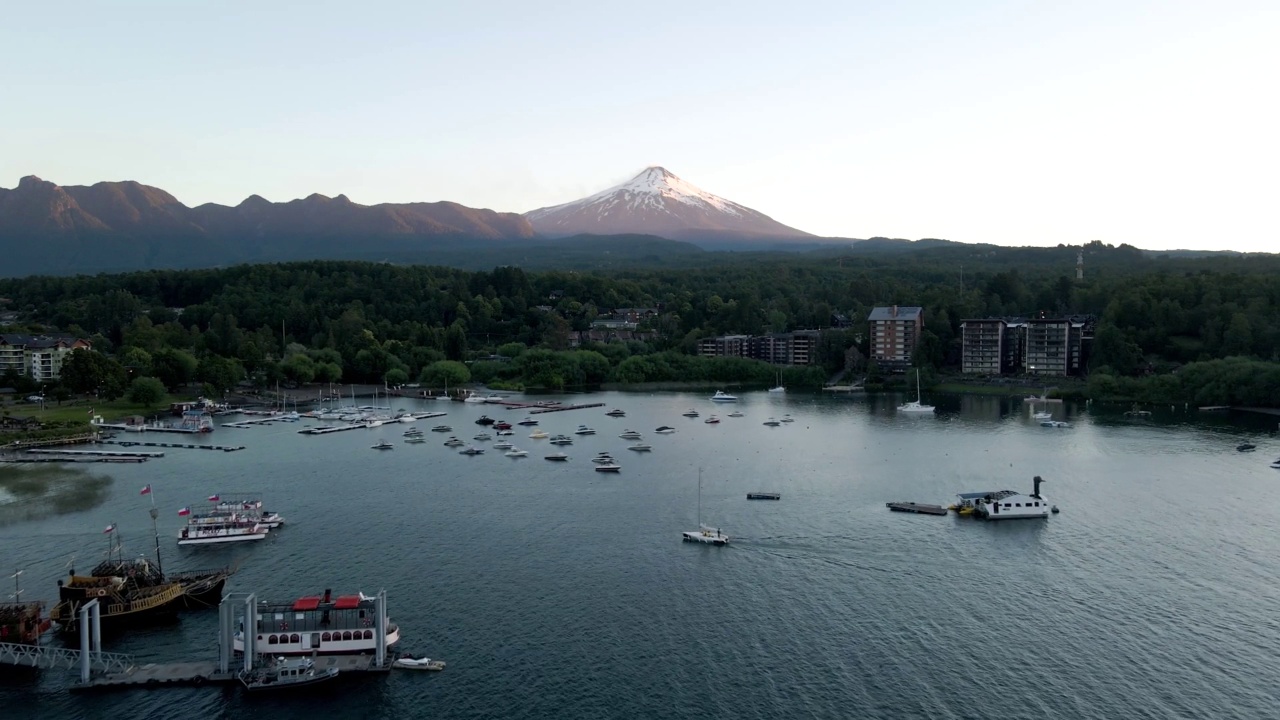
column 110, row 528
column 146, row 490
column 185, row 511
column 213, row 498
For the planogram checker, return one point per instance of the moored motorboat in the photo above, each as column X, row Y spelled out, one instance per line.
column 561, row 440
column 713, row 420
column 1246, row 447
column 473, row 450
column 383, row 445
column 608, row 467
column 516, row 452
column 484, row 420
column 538, row 434
column 558, row 457
column 584, row 430
column 616, row 412
column 722, row 396
column 602, row 459
column 787, row 418
column 630, row 435
column 442, row 428
column 690, row 413
column 665, row 430
column 736, row 413
column 482, row 437
column 1055, row 423
column 285, row 674
column 502, row 445
column 528, row 421
column 414, row 440
column 502, row 425
column 453, row 442
column 640, row 448
column 772, row 423
column 408, row 662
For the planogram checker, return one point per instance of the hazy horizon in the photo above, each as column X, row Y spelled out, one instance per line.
column 997, row 122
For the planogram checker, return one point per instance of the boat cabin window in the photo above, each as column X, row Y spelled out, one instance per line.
column 346, row 635
column 1007, row 505
column 271, row 640
column 368, row 634
column 1018, row 504
column 294, row 638
column 325, row 637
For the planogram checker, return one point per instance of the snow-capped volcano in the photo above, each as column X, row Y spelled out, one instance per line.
column 656, row 202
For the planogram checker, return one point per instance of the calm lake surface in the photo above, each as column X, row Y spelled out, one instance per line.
column 555, row 591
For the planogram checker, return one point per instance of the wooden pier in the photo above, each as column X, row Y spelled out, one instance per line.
column 132, row 443
column 920, row 508
column 544, row 409
column 100, row 453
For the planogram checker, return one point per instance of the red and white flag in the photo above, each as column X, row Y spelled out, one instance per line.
column 110, row 528
column 185, row 511
column 146, row 490
column 213, row 498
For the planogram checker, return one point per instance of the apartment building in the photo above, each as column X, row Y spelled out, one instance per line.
column 895, row 331
column 37, row 356
column 799, row 347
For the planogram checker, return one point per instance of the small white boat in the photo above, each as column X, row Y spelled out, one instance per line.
column 704, row 534
column 722, row 396
column 482, row 437
column 777, row 389
column 528, row 421
column 503, row 433
column 640, row 448
column 711, row 420
column 665, row 430
column 1042, row 415
column 408, row 662
column 602, row 459
column 1054, row 424
column 442, row 428
column 915, row 406
column 453, row 442
column 608, row 467
column 690, row 413
column 538, row 434
column 561, row 440
column 515, row 452
column 383, row 445
column 414, row 440
column 584, row 430
column 630, row 435
column 558, row 457
column 772, row 423
column 788, row 418
column 473, row 450
column 502, row 446
column 736, row 413
column 616, row 412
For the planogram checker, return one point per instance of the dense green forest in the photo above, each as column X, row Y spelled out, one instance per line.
column 1163, row 321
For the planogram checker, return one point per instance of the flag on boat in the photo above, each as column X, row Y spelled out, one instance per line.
column 185, row 511
column 146, row 490
column 213, row 498
column 110, row 528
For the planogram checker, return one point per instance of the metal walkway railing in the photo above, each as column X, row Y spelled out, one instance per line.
column 52, row 657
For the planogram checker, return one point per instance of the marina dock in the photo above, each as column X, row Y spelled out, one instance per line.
column 764, row 496
column 130, row 443
column 558, row 408
column 100, row 453
column 920, row 508
column 331, row 429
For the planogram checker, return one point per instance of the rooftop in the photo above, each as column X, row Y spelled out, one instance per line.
column 895, row 312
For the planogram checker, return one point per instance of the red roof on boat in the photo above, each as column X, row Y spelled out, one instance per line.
column 346, row 602
column 311, row 602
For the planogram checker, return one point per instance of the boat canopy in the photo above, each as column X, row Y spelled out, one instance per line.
column 976, row 495
column 346, row 602
column 307, row 603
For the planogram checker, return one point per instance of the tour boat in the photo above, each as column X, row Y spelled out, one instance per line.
column 226, row 529
column 473, row 450
column 1005, row 504
column 640, row 448
column 722, row 396
column 558, row 457
column 630, row 435
column 406, row 662
column 665, row 430
column 326, row 625
column 383, row 445
column 690, row 413
column 608, row 467
column 442, row 428
column 538, row 434
column 285, row 674
column 915, row 406
column 704, row 534
column 528, row 421
column 616, row 412
column 453, row 442
column 247, row 507
column 772, row 423
column 516, row 452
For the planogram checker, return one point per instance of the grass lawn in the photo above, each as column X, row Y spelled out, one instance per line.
column 78, row 410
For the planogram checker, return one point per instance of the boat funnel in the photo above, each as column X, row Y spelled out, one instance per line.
column 1035, row 493
column 327, row 592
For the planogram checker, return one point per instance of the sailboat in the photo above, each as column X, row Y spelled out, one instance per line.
column 704, row 534
column 915, row 406
column 779, row 387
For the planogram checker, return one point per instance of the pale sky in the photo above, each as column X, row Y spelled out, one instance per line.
column 1017, row 123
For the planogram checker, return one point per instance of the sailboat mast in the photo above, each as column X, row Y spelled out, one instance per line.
column 155, row 528
column 699, row 498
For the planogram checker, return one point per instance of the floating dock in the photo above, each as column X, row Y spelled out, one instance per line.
column 74, row 460
column 543, row 409
column 206, row 672
column 100, row 453
column 331, row 429
column 149, row 428
column 920, row 508
column 764, row 496
column 131, row 443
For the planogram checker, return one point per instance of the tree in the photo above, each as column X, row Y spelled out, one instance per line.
column 222, row 374
column 89, row 371
column 146, row 391
column 299, row 368
column 174, row 368
column 328, row 372
column 396, row 377
column 135, row 359
column 444, row 374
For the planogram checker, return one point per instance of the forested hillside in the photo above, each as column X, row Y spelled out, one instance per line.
column 354, row 321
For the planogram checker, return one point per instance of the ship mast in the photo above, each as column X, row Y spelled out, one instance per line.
column 155, row 528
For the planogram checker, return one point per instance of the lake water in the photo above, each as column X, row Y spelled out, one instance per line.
column 555, row 591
